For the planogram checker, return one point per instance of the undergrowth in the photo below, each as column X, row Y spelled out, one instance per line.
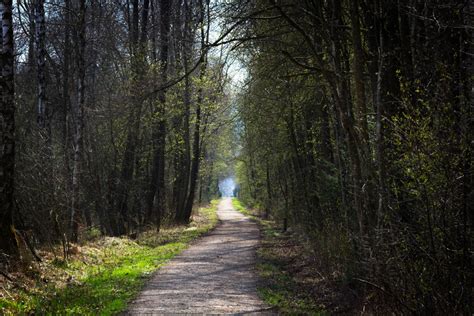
column 278, row 288
column 103, row 277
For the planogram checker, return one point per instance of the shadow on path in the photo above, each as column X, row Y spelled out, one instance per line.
column 215, row 275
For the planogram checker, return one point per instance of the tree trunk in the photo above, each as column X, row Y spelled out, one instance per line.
column 196, row 158
column 40, row 64
column 156, row 196
column 78, row 118
column 138, row 60
column 65, row 94
column 7, row 136
column 341, row 96
column 358, row 66
column 196, row 155
column 269, row 204
column 186, row 167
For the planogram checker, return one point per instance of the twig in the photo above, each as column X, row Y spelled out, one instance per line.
column 24, row 235
column 386, row 292
column 8, row 293
column 31, row 248
column 373, row 284
column 6, row 276
column 15, row 283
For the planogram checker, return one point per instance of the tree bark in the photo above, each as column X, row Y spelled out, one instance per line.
column 196, row 153
column 156, row 196
column 40, row 63
column 358, row 65
column 184, row 173
column 138, row 60
column 196, row 158
column 78, row 118
column 8, row 245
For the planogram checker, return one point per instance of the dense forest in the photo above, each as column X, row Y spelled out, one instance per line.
column 115, row 105
column 348, row 121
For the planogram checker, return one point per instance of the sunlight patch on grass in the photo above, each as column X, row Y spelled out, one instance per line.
column 106, row 275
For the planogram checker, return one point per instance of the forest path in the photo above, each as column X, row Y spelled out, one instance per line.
column 215, row 275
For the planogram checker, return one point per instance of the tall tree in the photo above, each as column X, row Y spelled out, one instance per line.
column 196, row 157
column 40, row 52
column 7, row 129
column 326, row 54
column 78, row 119
column 156, row 196
column 138, row 45
column 183, row 163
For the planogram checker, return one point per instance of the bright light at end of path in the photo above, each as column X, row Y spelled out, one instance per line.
column 227, row 187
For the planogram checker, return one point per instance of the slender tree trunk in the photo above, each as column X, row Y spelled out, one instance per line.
column 342, row 101
column 138, row 59
column 197, row 127
column 379, row 137
column 144, row 30
column 358, row 65
column 7, row 133
column 196, row 154
column 367, row 172
column 186, row 168
column 325, row 147
column 156, row 197
column 269, row 191
column 40, row 63
column 78, row 118
column 31, row 40
column 65, row 89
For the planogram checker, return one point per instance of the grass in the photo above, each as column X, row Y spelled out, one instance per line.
column 279, row 287
column 104, row 277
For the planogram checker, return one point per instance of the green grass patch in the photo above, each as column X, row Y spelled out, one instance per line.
column 278, row 287
column 104, row 277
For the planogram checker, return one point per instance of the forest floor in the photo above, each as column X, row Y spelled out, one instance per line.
column 215, row 275
column 293, row 280
column 101, row 277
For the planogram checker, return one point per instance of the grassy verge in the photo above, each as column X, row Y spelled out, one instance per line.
column 103, row 277
column 280, row 287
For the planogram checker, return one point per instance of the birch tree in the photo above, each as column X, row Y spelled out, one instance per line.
column 7, row 133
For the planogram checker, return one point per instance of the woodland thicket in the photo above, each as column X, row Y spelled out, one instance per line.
column 116, row 115
column 356, row 127
column 353, row 126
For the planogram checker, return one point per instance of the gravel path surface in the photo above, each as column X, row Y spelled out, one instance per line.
column 214, row 276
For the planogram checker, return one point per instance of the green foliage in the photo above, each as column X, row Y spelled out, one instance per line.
column 237, row 204
column 278, row 287
column 108, row 273
column 92, row 233
column 281, row 292
column 370, row 159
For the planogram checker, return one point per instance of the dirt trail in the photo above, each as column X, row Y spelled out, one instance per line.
column 214, row 276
